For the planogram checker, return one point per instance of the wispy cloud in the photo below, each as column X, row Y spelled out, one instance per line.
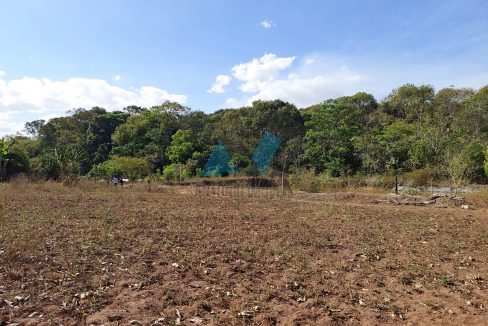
column 231, row 101
column 267, row 24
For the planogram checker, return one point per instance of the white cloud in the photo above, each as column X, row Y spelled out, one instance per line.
column 2, row 73
column 233, row 102
column 253, row 73
column 220, row 82
column 305, row 88
column 306, row 91
column 259, row 71
column 45, row 95
column 319, row 76
column 8, row 127
column 29, row 96
column 267, row 24
column 230, row 101
column 309, row 61
column 308, row 81
column 117, row 77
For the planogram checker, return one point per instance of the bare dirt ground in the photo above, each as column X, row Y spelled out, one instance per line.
column 92, row 255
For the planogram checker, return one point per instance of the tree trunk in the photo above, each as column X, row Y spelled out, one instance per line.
column 3, row 171
column 179, row 165
column 396, row 184
column 282, row 182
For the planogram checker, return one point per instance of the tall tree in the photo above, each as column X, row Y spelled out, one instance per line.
column 33, row 127
column 410, row 102
column 13, row 159
column 148, row 134
column 386, row 149
column 475, row 115
column 328, row 140
column 134, row 109
column 241, row 129
column 98, row 138
column 181, row 148
column 448, row 105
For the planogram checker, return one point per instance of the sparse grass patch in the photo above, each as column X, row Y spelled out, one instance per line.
column 446, row 281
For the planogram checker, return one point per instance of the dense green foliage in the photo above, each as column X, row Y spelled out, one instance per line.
column 121, row 166
column 414, row 128
column 13, row 159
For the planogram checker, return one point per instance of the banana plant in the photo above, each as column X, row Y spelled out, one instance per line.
column 5, row 147
column 65, row 156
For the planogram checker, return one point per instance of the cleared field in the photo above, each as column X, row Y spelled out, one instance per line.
column 168, row 255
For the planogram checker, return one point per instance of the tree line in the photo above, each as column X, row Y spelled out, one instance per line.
column 414, row 128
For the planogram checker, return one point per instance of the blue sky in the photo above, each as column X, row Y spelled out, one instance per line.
column 57, row 55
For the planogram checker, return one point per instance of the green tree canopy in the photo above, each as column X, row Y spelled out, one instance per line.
column 412, row 128
column 328, row 141
column 121, row 166
column 147, row 134
column 386, row 148
column 181, row 148
column 13, row 159
column 410, row 102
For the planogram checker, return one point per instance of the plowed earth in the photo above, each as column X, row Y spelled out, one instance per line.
column 93, row 255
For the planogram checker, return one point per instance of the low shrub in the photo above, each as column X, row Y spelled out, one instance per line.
column 176, row 172
column 122, row 166
column 306, row 181
column 380, row 181
column 420, row 177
